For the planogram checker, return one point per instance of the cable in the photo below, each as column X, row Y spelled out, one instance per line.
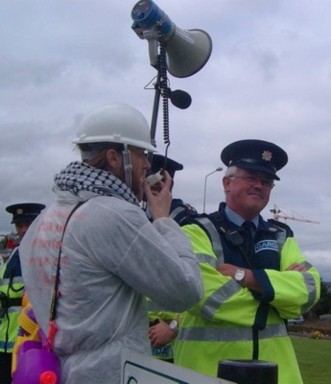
column 165, row 92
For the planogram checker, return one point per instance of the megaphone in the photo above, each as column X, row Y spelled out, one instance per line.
column 187, row 50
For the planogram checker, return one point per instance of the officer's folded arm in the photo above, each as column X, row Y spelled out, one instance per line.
column 249, row 281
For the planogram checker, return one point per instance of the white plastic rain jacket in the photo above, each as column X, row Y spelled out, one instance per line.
column 112, row 257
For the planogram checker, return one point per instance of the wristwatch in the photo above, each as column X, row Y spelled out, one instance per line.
column 174, row 325
column 239, row 275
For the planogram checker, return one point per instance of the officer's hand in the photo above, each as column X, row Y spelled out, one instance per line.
column 161, row 334
column 297, row 267
column 249, row 280
column 159, row 197
column 227, row 269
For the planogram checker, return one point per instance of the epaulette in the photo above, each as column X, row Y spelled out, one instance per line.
column 181, row 211
column 282, row 226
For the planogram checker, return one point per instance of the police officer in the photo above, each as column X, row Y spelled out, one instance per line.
column 179, row 209
column 11, row 287
column 254, row 273
column 164, row 325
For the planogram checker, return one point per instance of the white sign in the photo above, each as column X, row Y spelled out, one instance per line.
column 142, row 369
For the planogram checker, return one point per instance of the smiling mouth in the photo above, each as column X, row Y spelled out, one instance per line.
column 258, row 195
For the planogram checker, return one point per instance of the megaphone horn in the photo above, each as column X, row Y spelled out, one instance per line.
column 187, row 51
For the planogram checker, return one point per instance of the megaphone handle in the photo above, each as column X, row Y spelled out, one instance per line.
column 156, row 104
column 153, row 52
column 161, row 88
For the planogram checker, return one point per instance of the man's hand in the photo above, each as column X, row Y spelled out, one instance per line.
column 159, row 197
column 161, row 334
column 249, row 280
column 227, row 269
column 297, row 267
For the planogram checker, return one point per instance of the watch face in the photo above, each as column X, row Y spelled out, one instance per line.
column 239, row 275
column 173, row 324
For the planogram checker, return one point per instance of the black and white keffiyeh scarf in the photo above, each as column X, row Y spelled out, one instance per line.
column 79, row 176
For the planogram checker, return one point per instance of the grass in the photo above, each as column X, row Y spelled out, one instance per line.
column 314, row 357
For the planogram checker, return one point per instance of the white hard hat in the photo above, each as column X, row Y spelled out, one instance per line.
column 115, row 123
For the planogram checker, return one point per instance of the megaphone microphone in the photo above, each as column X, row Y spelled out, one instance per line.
column 187, row 50
column 180, row 99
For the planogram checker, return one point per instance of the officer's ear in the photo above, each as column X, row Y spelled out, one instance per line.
column 226, row 183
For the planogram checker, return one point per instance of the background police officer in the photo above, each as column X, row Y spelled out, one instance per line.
column 164, row 325
column 11, row 287
column 179, row 209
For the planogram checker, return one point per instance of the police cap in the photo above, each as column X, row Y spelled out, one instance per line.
column 171, row 165
column 24, row 212
column 257, row 155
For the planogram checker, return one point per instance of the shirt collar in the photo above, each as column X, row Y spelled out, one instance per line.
column 237, row 219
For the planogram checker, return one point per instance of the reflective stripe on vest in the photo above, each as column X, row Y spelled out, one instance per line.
column 7, row 345
column 214, row 301
column 15, row 280
column 311, row 289
column 203, row 258
column 214, row 236
column 12, row 309
column 281, row 238
column 177, row 211
column 230, row 334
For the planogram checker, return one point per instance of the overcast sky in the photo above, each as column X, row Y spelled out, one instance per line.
column 268, row 77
